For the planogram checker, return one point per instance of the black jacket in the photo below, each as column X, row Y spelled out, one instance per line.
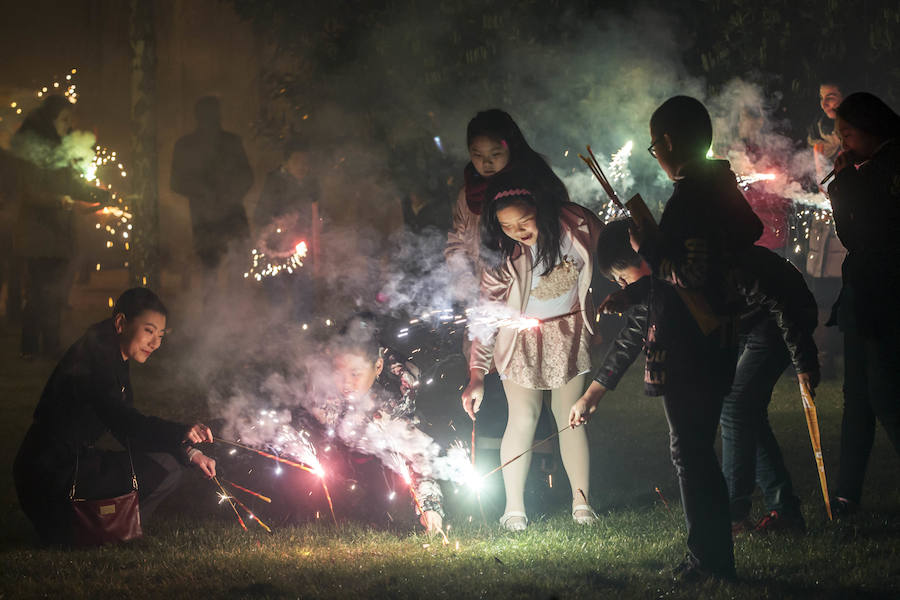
column 705, row 222
column 769, row 286
column 866, row 205
column 88, row 394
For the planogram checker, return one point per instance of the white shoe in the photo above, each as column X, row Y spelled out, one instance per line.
column 584, row 519
column 514, row 520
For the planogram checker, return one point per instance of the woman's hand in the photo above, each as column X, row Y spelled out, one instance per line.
column 205, row 464
column 198, row 433
column 585, row 406
column 431, row 521
column 474, row 393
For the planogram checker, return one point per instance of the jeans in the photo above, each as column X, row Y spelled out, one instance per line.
column 750, row 453
column 693, row 416
column 871, row 369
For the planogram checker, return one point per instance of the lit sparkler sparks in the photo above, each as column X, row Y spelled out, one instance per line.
column 223, row 497
column 745, row 181
column 270, row 265
column 482, row 320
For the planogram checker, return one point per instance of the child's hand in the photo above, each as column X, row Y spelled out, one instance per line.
column 845, row 159
column 473, row 394
column 431, row 521
column 585, row 406
column 615, row 304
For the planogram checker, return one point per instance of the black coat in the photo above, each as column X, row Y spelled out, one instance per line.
column 769, row 286
column 706, row 221
column 866, row 204
column 89, row 394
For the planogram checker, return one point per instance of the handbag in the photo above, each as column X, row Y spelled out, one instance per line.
column 106, row 520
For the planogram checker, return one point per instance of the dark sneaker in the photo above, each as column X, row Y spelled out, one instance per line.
column 778, row 522
column 743, row 526
column 841, row 508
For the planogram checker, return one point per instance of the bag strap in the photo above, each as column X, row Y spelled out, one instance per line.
column 134, row 481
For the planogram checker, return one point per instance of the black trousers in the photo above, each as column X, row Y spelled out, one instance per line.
column 871, row 391
column 44, row 496
column 45, row 291
column 693, row 417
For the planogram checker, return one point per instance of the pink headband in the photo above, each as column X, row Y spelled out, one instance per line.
column 512, row 192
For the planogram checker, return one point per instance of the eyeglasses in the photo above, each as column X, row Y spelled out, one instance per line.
column 651, row 148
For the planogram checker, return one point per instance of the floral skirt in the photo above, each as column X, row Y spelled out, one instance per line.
column 549, row 356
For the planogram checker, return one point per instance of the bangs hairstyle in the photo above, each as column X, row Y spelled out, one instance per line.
column 869, row 113
column 687, row 122
column 498, row 125
column 614, row 249
column 500, row 247
column 135, row 301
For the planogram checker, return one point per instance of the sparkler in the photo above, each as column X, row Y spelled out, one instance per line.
column 271, row 265
column 745, row 181
column 518, row 456
column 223, row 497
column 280, row 459
column 250, row 513
column 594, row 166
column 251, row 492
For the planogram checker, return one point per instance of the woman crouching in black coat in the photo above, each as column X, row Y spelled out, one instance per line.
column 89, row 394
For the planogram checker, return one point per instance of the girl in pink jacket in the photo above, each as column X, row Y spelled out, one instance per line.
column 538, row 250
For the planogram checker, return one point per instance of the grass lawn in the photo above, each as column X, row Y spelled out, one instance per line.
column 195, row 548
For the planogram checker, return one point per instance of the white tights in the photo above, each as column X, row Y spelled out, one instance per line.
column 524, row 410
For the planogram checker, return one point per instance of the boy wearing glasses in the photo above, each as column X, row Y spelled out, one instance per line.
column 705, row 224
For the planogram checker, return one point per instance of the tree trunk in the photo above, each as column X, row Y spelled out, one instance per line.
column 144, row 259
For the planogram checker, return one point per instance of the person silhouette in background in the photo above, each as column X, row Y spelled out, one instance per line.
column 210, row 168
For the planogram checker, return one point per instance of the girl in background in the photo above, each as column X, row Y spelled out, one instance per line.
column 542, row 250
column 495, row 144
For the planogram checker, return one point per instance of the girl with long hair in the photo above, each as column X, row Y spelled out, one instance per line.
column 539, row 253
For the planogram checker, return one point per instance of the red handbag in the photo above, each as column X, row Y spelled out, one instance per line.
column 106, row 520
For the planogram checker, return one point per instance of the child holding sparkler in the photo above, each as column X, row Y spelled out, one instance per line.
column 89, row 394
column 776, row 324
column 705, row 223
column 495, row 144
column 543, row 268
column 865, row 195
column 374, row 404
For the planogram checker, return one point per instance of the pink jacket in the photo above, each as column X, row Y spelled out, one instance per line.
column 513, row 286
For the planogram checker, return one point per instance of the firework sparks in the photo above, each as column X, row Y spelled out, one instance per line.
column 271, row 265
column 745, row 181
column 223, row 497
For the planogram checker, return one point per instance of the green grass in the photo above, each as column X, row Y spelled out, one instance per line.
column 194, row 548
